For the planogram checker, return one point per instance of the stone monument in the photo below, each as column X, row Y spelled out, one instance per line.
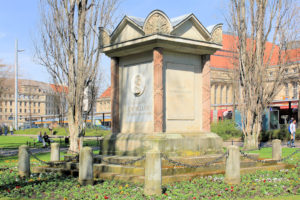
column 160, row 85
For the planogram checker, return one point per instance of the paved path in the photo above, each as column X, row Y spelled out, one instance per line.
column 263, row 144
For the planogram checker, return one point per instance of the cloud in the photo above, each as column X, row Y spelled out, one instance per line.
column 2, row 35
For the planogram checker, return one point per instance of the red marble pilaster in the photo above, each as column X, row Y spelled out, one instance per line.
column 115, row 121
column 206, row 93
column 158, row 89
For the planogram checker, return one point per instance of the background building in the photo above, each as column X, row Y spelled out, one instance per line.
column 35, row 99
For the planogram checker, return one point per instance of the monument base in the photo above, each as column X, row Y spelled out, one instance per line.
column 174, row 144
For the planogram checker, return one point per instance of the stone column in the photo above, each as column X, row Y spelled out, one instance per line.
column 232, row 172
column 206, row 93
column 115, row 121
column 276, row 149
column 24, row 161
column 158, row 90
column 153, row 179
column 55, row 153
column 86, row 172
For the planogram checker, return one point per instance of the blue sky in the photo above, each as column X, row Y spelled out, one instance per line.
column 19, row 19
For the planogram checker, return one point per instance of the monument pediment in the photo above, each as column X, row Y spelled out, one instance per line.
column 132, row 30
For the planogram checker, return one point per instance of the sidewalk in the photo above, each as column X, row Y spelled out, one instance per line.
column 263, row 144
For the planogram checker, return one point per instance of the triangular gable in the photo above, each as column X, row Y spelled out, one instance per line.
column 191, row 28
column 126, row 30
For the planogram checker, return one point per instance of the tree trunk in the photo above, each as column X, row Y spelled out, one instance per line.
column 75, row 128
column 250, row 141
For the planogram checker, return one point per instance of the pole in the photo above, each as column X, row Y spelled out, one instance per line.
column 16, row 85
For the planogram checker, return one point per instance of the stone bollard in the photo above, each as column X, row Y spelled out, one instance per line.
column 232, row 172
column 24, row 161
column 276, row 149
column 153, row 180
column 86, row 173
column 55, row 153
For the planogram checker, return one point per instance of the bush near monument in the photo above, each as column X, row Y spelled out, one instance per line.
column 226, row 129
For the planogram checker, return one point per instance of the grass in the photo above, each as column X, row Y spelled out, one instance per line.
column 61, row 131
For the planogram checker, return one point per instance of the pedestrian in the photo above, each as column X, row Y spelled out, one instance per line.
column 40, row 137
column 5, row 130
column 292, row 130
column 46, row 139
column 1, row 132
column 11, row 130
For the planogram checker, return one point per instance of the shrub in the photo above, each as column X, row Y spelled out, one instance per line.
column 282, row 134
column 226, row 129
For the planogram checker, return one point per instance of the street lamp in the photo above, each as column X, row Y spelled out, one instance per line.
column 16, row 83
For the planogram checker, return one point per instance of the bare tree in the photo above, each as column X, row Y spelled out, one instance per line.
column 70, row 50
column 254, row 23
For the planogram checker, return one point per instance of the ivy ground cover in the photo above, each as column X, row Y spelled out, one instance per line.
column 282, row 184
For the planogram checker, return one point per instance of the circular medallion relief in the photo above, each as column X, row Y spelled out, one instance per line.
column 137, row 84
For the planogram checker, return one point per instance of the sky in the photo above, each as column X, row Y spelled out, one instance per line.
column 19, row 20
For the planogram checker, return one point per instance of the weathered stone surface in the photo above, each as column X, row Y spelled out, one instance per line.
column 217, row 35
column 232, row 172
column 276, row 150
column 157, row 22
column 115, row 122
column 86, row 174
column 153, row 176
column 24, row 161
column 55, row 152
column 206, row 93
column 158, row 89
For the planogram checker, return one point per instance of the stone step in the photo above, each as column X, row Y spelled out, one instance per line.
column 118, row 169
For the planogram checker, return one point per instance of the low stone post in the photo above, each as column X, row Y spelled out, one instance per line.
column 24, row 161
column 276, row 150
column 86, row 172
column 55, row 153
column 232, row 172
column 153, row 180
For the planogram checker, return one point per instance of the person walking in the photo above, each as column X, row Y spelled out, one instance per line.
column 1, row 130
column 11, row 130
column 292, row 130
column 5, row 130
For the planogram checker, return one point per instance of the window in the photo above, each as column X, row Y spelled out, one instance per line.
column 6, row 110
column 216, row 88
column 286, row 71
column 10, row 103
column 10, row 110
column 286, row 90
column 271, row 74
column 20, row 110
column 39, row 104
column 221, row 94
column 226, row 96
column 25, row 103
column 20, row 103
column 24, row 110
column 295, row 90
column 38, row 110
column 34, row 104
column 0, row 109
column 295, row 70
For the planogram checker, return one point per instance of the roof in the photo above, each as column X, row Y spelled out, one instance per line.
column 106, row 93
column 59, row 88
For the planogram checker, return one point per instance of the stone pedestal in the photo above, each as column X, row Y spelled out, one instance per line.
column 24, row 161
column 55, row 153
column 153, row 176
column 232, row 172
column 276, row 149
column 86, row 172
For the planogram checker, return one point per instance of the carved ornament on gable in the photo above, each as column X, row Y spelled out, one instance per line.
column 217, row 36
column 157, row 23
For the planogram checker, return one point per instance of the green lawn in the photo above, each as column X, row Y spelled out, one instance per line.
column 61, row 131
column 13, row 142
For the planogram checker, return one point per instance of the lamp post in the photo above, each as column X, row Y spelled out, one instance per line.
column 16, row 83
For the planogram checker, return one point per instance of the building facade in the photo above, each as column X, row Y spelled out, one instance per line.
column 35, row 99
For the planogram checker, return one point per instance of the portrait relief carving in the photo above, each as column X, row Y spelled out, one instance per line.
column 137, row 85
column 157, row 23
